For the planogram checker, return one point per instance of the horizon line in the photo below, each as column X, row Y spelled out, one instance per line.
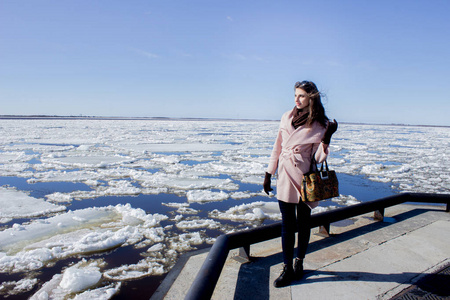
column 85, row 117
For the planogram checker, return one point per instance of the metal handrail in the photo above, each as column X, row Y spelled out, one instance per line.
column 206, row 279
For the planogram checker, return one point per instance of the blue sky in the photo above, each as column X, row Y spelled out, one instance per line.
column 376, row 61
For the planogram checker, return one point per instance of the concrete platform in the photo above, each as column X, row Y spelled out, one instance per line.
column 363, row 259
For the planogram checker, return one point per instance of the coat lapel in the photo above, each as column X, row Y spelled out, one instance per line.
column 302, row 135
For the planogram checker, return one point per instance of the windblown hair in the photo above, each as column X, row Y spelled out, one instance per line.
column 316, row 109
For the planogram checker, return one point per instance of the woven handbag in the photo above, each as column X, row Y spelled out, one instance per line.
column 319, row 184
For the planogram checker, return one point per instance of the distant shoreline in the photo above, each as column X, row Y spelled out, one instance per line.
column 46, row 117
column 56, row 117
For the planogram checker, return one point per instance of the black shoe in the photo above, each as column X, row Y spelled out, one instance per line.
column 298, row 269
column 285, row 277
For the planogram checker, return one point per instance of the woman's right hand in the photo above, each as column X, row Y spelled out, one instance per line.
column 267, row 183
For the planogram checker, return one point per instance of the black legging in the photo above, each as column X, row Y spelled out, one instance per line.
column 294, row 216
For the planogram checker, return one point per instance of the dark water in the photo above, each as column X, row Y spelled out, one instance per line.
column 357, row 186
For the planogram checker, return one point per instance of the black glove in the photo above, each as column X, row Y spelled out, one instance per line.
column 266, row 183
column 331, row 128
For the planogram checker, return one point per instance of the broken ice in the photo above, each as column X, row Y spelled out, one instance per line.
column 214, row 164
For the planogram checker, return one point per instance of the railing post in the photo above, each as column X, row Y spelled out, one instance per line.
column 379, row 214
column 244, row 255
column 324, row 230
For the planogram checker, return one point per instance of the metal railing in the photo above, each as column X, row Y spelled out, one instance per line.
column 206, row 280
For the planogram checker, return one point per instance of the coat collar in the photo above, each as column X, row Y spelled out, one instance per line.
column 304, row 134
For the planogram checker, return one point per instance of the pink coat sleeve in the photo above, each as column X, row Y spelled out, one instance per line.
column 321, row 152
column 276, row 151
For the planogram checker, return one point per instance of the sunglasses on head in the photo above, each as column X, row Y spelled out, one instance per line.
column 299, row 84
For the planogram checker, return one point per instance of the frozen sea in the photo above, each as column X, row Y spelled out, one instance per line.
column 102, row 209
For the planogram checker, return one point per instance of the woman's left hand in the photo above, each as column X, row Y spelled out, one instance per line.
column 331, row 128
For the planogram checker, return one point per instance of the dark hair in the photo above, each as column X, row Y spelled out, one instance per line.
column 316, row 109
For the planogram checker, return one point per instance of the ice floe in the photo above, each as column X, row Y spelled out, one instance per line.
column 18, row 287
column 32, row 246
column 80, row 281
column 196, row 224
column 206, row 196
column 17, row 204
column 249, row 212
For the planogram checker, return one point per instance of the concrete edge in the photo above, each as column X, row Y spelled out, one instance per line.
column 172, row 275
column 404, row 286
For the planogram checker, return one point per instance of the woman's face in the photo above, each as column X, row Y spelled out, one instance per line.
column 301, row 98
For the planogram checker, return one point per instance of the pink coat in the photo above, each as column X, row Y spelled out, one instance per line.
column 291, row 155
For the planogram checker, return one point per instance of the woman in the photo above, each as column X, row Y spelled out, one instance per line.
column 304, row 131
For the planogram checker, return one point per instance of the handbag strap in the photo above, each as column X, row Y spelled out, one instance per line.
column 314, row 163
column 304, row 191
column 313, row 160
column 326, row 166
